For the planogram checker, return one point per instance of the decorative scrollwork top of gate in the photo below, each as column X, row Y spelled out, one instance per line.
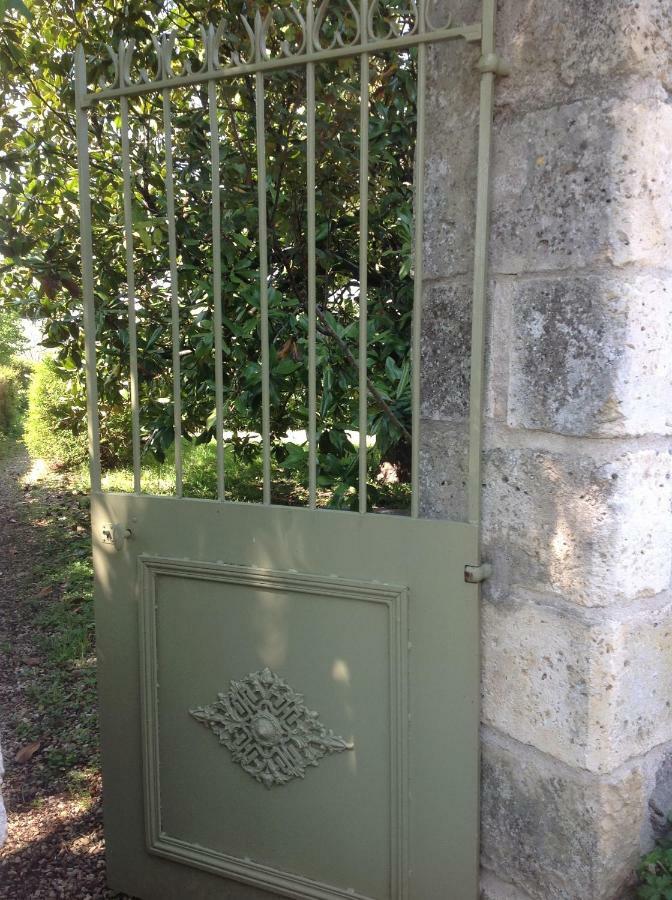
column 324, row 32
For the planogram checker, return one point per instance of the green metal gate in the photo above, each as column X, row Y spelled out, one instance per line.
column 289, row 696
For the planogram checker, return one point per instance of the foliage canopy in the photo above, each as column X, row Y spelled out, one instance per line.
column 39, row 229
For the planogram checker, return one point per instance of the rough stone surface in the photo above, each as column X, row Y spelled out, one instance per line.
column 593, row 532
column 493, row 888
column 583, row 184
column 443, row 470
column 556, row 833
column 588, row 690
column 446, row 350
column 562, row 52
column 660, row 799
column 591, row 355
column 451, row 147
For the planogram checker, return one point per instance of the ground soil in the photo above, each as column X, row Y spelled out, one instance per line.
column 55, row 846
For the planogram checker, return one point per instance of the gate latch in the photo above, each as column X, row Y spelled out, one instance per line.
column 115, row 534
column 476, row 574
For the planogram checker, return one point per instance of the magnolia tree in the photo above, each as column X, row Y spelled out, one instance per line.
column 39, row 230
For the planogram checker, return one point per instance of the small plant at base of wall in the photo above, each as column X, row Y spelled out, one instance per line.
column 655, row 871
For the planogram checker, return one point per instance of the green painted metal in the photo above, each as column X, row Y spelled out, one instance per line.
column 418, row 251
column 216, row 276
column 262, row 63
column 370, row 619
column 130, row 284
column 369, row 789
column 174, row 286
column 363, row 267
column 312, row 276
column 263, row 284
column 86, row 249
column 480, row 285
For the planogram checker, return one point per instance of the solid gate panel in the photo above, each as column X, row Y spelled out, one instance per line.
column 340, row 644
column 367, row 820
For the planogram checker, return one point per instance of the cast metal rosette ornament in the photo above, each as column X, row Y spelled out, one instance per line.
column 269, row 730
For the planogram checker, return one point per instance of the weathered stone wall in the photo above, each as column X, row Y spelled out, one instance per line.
column 577, row 619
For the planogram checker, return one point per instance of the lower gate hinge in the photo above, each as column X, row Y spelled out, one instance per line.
column 476, row 574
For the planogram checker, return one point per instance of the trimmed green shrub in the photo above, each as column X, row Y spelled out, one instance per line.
column 13, row 383
column 56, row 428
column 9, row 400
column 56, row 423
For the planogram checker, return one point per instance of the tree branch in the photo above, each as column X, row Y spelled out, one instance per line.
column 372, row 389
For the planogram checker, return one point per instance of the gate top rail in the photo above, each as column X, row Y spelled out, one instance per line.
column 419, row 29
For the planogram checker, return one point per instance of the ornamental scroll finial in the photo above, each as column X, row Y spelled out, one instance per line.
column 289, row 31
column 269, row 730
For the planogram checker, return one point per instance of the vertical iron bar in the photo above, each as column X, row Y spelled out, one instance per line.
column 174, row 296
column 86, row 250
column 312, row 321
column 217, row 285
column 263, row 287
column 418, row 253
column 480, row 268
column 130, row 290
column 363, row 262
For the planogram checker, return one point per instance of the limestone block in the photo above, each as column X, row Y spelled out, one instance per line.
column 493, row 888
column 446, row 350
column 443, row 470
column 556, row 833
column 582, row 185
column 451, row 148
column 594, row 532
column 589, row 690
column 591, row 355
column 559, row 52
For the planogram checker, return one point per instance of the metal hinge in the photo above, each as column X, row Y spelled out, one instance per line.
column 493, row 63
column 115, row 534
column 476, row 574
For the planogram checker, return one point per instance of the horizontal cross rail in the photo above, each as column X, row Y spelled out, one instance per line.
column 465, row 32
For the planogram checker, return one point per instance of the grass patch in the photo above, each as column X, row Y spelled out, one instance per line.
column 243, row 474
column 61, row 678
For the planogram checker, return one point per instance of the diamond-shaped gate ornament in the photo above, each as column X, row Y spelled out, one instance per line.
column 269, row 730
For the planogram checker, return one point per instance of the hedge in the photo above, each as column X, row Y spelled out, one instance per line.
column 56, row 428
column 13, row 382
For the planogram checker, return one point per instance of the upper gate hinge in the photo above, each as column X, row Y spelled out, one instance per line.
column 476, row 574
column 491, row 62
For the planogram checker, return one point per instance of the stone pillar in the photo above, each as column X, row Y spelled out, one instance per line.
column 577, row 619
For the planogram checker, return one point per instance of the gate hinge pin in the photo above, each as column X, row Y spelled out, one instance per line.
column 115, row 534
column 476, row 574
column 491, row 62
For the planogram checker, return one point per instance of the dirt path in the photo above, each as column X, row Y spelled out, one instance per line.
column 55, row 843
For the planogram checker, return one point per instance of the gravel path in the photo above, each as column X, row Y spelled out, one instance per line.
column 55, row 845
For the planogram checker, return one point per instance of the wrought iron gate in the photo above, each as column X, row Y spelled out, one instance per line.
column 224, row 626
